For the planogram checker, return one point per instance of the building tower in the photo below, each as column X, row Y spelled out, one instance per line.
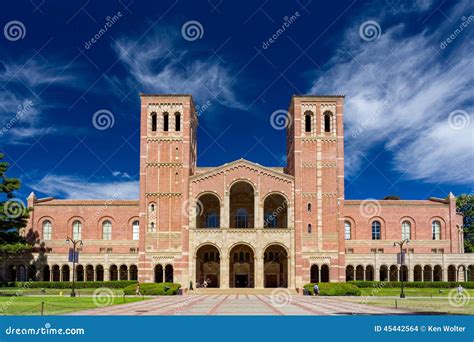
column 167, row 159
column 315, row 154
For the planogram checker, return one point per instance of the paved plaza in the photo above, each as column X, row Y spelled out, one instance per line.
column 241, row 304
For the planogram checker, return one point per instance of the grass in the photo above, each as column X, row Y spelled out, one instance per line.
column 53, row 305
column 11, row 291
column 411, row 292
column 421, row 305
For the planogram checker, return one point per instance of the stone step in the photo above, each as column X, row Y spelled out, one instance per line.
column 213, row 291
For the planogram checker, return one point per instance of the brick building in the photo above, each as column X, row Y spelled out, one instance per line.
column 242, row 224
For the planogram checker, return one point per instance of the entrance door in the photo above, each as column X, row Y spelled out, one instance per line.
column 241, row 280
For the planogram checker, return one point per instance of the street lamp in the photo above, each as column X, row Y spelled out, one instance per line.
column 402, row 259
column 74, row 259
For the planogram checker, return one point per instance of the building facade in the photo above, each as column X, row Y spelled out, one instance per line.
column 242, row 224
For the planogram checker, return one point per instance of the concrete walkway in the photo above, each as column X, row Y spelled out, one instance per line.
column 241, row 304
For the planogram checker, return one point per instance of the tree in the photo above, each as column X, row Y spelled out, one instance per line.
column 13, row 213
column 465, row 206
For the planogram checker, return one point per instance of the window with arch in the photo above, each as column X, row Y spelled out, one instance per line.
column 309, row 207
column 327, row 122
column 406, row 230
column 177, row 122
column 310, row 228
column 307, row 122
column 77, row 230
column 154, row 122
column 152, row 207
column 47, row 230
column 347, row 230
column 107, row 230
column 166, row 118
column 376, row 230
column 436, row 229
column 135, row 230
column 152, row 227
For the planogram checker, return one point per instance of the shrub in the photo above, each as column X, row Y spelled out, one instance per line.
column 154, row 289
column 119, row 284
column 413, row 284
column 334, row 289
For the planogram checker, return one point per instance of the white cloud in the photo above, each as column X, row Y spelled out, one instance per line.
column 159, row 66
column 71, row 187
column 400, row 91
column 121, row 174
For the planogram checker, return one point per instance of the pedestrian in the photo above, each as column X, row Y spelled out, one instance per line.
column 137, row 290
column 204, row 284
column 460, row 289
column 316, row 290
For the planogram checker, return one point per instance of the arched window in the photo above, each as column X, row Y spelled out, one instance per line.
column 327, row 122
column 177, row 118
column 47, row 230
column 347, row 230
column 135, row 230
column 165, row 122
column 76, row 230
column 241, row 218
column 310, row 228
column 152, row 207
column 107, row 230
column 309, row 207
column 152, row 227
column 436, row 228
column 153, row 122
column 307, row 121
column 406, row 230
column 376, row 230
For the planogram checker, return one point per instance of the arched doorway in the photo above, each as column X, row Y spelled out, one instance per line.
column 360, row 272
column 208, row 266
column 438, row 273
column 169, row 273
column 80, row 273
column 383, row 273
column 427, row 273
column 393, row 273
column 451, row 273
column 242, row 200
column 123, row 272
column 404, row 273
column 275, row 269
column 314, row 276
column 56, row 273
column 89, row 273
column 275, row 210
column 208, row 210
column 133, row 272
column 158, row 273
column 325, row 273
column 242, row 266
column 65, row 273
column 46, row 273
column 99, row 273
column 350, row 273
column 418, row 273
column 369, row 273
column 113, row 272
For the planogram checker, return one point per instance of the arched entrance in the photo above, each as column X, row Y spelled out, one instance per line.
column 275, row 269
column 350, row 273
column 208, row 266
column 242, row 266
column 242, row 205
column 275, row 210
column 208, row 210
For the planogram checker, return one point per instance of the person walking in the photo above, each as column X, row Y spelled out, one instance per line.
column 137, row 290
column 316, row 290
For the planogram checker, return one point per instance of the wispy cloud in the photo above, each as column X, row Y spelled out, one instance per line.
column 163, row 65
column 400, row 89
column 73, row 187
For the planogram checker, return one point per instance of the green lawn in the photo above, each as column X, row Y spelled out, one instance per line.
column 422, row 305
column 411, row 292
column 53, row 305
column 37, row 291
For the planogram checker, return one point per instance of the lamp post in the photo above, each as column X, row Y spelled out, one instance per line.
column 74, row 259
column 402, row 259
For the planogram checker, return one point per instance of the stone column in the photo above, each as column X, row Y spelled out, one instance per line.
column 225, row 215
column 259, row 269
column 445, row 274
column 106, row 274
column 224, row 273
column 377, row 274
column 256, row 212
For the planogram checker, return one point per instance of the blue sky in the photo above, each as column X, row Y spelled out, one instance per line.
column 406, row 69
